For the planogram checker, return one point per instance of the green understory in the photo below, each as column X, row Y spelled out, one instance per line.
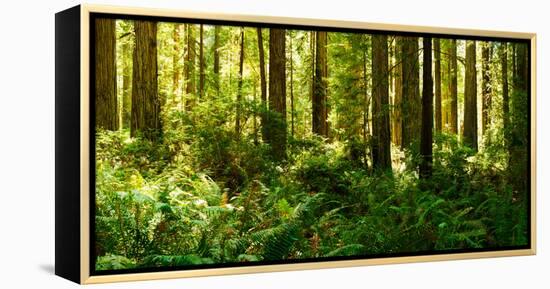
column 205, row 197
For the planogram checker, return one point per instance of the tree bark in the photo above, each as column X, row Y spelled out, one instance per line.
column 291, row 87
column 485, row 86
column 366, row 106
column 411, row 94
column 505, row 95
column 514, row 67
column 381, row 154
column 145, row 100
column 217, row 60
column 240, row 87
column 263, row 86
column 521, row 65
column 255, row 122
column 201, row 62
column 397, row 123
column 519, row 111
column 453, row 88
column 107, row 116
column 445, row 74
column 277, row 93
column 175, row 58
column 437, row 72
column 470, row 97
column 190, row 89
column 319, row 101
column 312, row 43
column 426, row 138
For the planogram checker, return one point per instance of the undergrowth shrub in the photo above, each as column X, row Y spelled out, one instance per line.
column 223, row 199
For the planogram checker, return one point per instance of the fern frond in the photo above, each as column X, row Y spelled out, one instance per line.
column 348, row 250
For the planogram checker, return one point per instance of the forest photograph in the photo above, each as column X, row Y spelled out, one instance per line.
column 225, row 145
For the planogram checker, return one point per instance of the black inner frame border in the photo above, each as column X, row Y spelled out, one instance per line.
column 92, row 129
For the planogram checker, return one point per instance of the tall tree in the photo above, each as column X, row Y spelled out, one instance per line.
column 426, row 136
column 505, row 94
column 381, row 154
column 107, row 116
column 445, row 74
column 453, row 87
column 255, row 116
column 469, row 133
column 411, row 91
column 485, row 85
column 514, row 67
column 397, row 122
column 175, row 58
column 366, row 105
column 263, row 85
column 185, row 68
column 312, row 43
column 190, row 59
column 277, row 93
column 291, row 85
column 319, row 101
column 240, row 87
column 437, row 72
column 519, row 111
column 201, row 62
column 145, row 100
column 216, row 48
column 521, row 68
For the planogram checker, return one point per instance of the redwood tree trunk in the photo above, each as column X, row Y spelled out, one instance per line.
column 319, row 101
column 437, row 67
column 505, row 95
column 381, row 154
column 291, row 87
column 201, row 63
column 411, row 94
column 519, row 111
column 105, row 75
column 175, row 58
column 469, row 133
column 485, row 86
column 426, row 137
column 145, row 100
column 397, row 123
column 217, row 60
column 240, row 87
column 190, row 88
column 263, row 87
column 277, row 93
column 453, row 89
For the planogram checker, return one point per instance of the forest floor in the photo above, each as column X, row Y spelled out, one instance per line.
column 205, row 197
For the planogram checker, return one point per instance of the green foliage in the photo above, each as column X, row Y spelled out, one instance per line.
column 348, row 250
column 320, row 204
column 113, row 262
column 208, row 193
column 171, row 261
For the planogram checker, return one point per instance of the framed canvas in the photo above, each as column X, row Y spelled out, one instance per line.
column 194, row 144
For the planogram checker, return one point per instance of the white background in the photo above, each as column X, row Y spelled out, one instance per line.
column 27, row 144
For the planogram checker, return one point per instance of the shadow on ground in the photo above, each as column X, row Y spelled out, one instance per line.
column 48, row 268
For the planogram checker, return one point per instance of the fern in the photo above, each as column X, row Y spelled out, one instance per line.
column 276, row 242
column 167, row 260
column 114, row 262
column 348, row 250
